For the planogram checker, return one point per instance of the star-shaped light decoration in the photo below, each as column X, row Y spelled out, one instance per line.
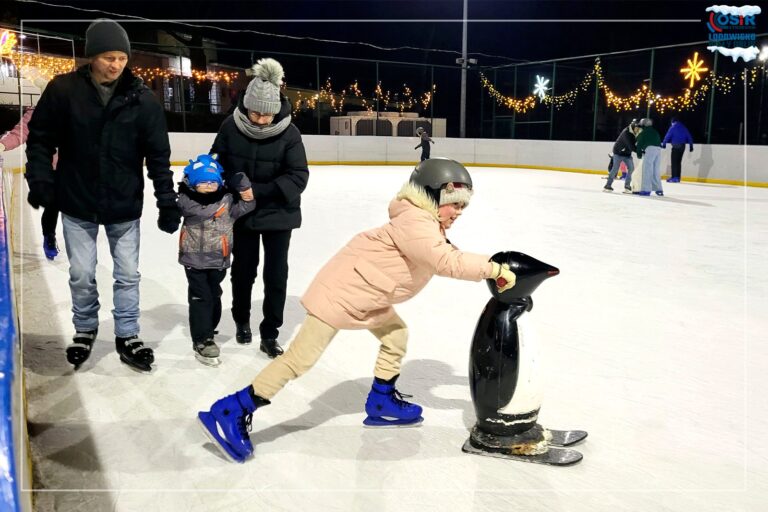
column 694, row 70
column 540, row 89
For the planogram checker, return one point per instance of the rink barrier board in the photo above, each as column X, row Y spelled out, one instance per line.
column 13, row 433
column 714, row 181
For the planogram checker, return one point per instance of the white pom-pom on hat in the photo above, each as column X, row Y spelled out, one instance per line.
column 263, row 92
column 269, row 70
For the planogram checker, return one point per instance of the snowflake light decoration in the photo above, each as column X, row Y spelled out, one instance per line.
column 540, row 89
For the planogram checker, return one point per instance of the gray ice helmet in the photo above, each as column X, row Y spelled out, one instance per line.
column 445, row 180
column 645, row 122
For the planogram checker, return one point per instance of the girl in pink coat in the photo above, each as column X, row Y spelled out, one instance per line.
column 14, row 138
column 357, row 289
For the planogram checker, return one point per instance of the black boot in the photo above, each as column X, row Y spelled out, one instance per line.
column 133, row 353
column 271, row 348
column 243, row 335
column 80, row 349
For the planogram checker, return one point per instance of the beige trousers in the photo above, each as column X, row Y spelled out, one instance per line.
column 310, row 343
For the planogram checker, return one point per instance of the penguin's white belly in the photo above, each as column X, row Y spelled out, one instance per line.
column 528, row 392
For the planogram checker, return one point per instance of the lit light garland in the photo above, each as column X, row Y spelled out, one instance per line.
column 45, row 65
column 521, row 106
column 336, row 100
column 687, row 100
column 149, row 74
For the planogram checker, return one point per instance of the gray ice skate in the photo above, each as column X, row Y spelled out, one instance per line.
column 207, row 352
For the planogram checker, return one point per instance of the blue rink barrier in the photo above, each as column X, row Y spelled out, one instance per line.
column 9, row 491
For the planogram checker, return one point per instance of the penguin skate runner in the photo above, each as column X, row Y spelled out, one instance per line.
column 503, row 378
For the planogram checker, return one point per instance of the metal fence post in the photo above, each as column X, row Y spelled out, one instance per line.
column 514, row 112
column 552, row 105
column 594, row 114
column 711, row 105
column 181, row 95
column 317, row 108
column 432, row 96
column 650, row 83
column 493, row 125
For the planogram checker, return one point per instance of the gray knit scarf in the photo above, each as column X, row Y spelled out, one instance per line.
column 249, row 129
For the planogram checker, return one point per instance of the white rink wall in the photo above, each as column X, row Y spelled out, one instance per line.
column 716, row 163
column 708, row 162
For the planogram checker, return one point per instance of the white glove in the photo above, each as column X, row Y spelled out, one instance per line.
column 505, row 278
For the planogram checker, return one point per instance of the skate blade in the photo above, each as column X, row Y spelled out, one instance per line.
column 216, row 442
column 377, row 423
column 208, row 361
column 553, row 456
column 566, row 437
column 143, row 369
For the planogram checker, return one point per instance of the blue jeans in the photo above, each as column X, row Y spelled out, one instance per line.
column 617, row 159
column 80, row 240
column 652, row 169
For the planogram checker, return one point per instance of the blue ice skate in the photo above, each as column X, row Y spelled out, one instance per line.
column 385, row 407
column 228, row 422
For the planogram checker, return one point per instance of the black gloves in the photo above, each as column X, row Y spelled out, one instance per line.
column 41, row 193
column 169, row 218
column 236, row 181
column 690, row 148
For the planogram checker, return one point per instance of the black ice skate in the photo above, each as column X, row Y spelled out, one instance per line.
column 80, row 349
column 133, row 353
column 207, row 352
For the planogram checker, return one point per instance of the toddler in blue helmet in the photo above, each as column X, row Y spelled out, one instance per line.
column 209, row 209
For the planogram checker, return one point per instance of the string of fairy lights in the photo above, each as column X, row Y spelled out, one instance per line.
column 695, row 72
column 689, row 99
column 336, row 100
column 48, row 66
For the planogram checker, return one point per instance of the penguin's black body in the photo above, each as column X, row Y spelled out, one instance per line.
column 503, row 377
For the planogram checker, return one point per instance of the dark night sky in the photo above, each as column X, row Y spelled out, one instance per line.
column 516, row 41
column 626, row 25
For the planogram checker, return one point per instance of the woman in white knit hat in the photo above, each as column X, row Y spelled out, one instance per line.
column 260, row 141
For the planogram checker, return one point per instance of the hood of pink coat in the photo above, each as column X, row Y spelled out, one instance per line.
column 411, row 196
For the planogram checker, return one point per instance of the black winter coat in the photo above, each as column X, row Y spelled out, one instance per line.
column 625, row 144
column 99, row 176
column 276, row 167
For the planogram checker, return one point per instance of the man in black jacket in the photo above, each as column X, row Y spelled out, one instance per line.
column 105, row 123
column 260, row 141
column 622, row 152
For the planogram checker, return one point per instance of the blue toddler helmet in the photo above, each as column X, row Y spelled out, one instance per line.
column 202, row 169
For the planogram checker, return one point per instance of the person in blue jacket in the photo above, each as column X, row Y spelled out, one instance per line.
column 677, row 135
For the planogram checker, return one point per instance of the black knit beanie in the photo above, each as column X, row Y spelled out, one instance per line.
column 105, row 35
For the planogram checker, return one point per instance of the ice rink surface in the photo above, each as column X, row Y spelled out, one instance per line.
column 653, row 338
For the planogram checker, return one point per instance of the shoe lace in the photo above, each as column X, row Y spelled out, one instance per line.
column 244, row 425
column 399, row 397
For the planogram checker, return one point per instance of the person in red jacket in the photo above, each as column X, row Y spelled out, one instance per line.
column 14, row 138
column 357, row 289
